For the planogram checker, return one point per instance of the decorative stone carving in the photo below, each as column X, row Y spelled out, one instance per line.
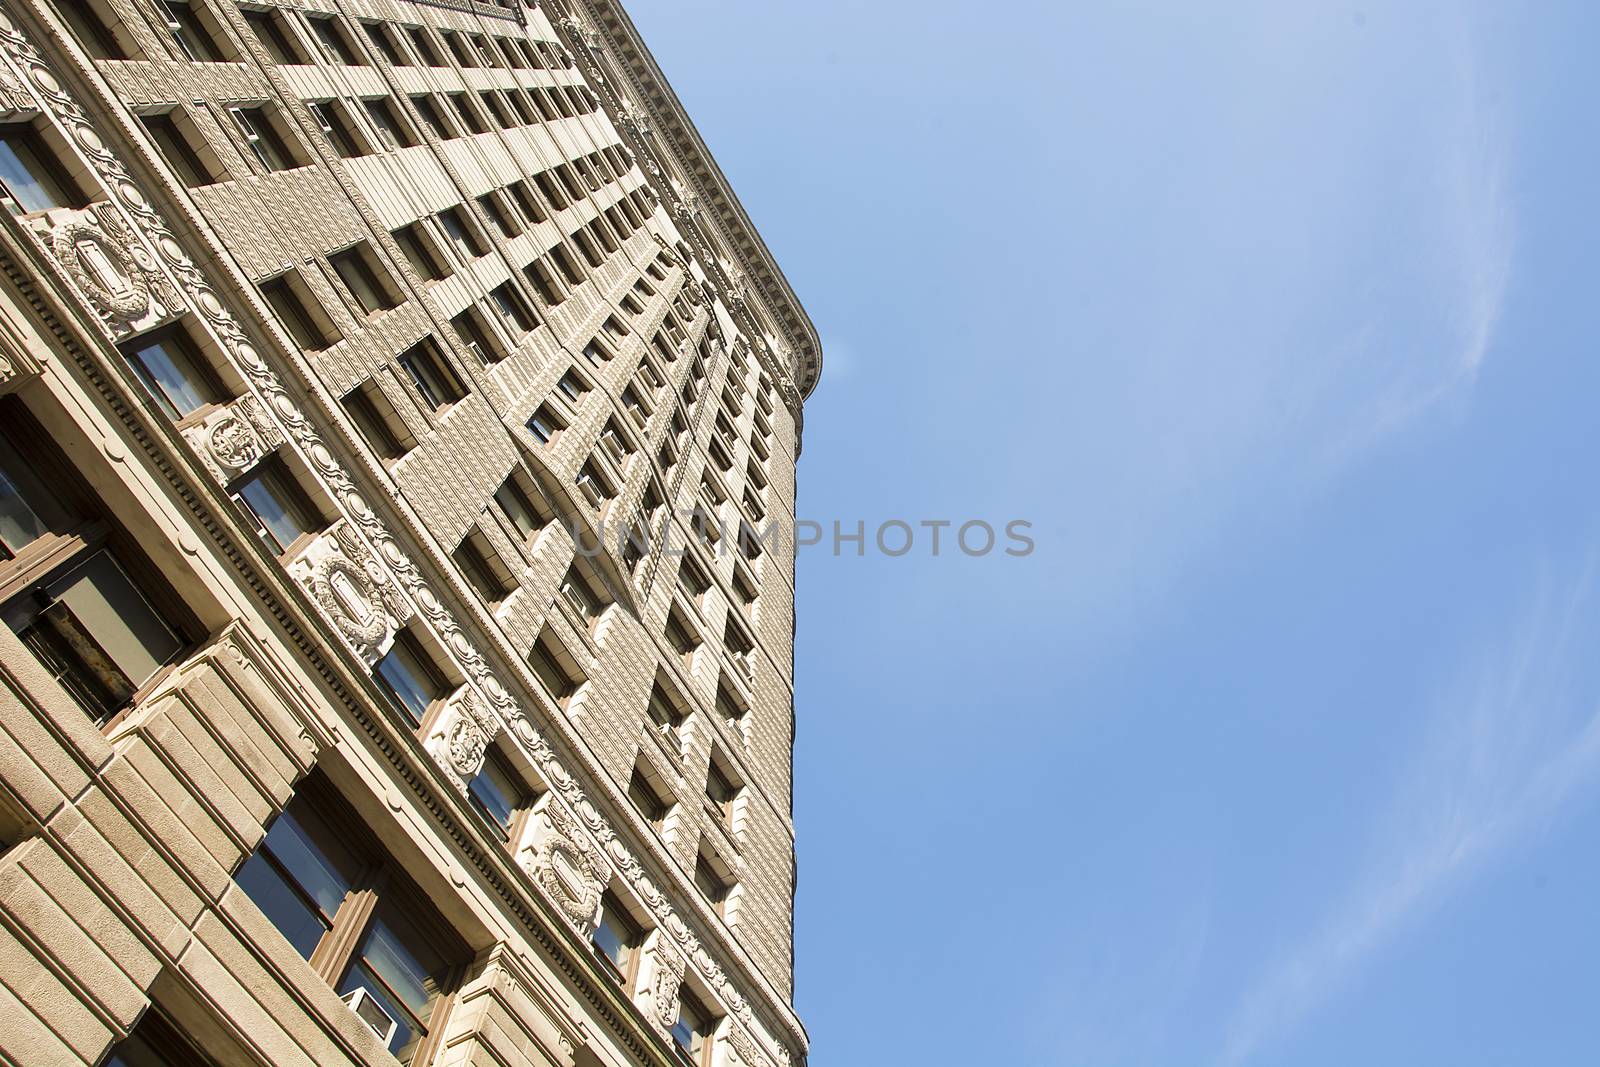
column 234, row 438
column 566, row 863
column 461, row 737
column 353, row 590
column 117, row 275
column 666, row 976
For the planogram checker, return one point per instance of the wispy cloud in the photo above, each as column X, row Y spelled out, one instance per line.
column 1470, row 265
column 1511, row 746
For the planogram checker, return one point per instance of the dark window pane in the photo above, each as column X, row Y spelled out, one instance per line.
column 295, row 919
column 407, row 681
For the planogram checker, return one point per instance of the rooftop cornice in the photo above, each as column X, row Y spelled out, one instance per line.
column 709, row 187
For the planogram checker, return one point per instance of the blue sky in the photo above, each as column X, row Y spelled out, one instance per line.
column 1277, row 321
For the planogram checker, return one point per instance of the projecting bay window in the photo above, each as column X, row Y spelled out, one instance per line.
column 410, row 678
column 171, row 366
column 33, row 174
column 73, row 587
column 347, row 907
column 278, row 509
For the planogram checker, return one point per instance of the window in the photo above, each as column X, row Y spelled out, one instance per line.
column 729, row 706
column 544, row 282
column 597, row 352
column 617, row 938
column 266, row 139
column 393, row 132
column 76, row 588
column 452, row 41
column 183, row 148
column 435, row 381
column 334, row 119
column 744, row 585
column 336, row 48
column 515, row 315
column 410, row 678
column 429, row 110
column 721, row 790
column 491, row 205
column 156, row 1042
column 470, row 119
column 101, row 33
column 33, row 176
column 276, row 506
column 496, row 110
column 280, row 44
column 581, row 596
column 421, row 252
column 525, row 202
column 197, row 35
column 647, row 800
column 564, row 263
column 694, row 1029
column 424, row 46
column 498, row 794
column 485, row 571
column 635, row 406
column 693, row 578
column 681, row 636
column 711, row 882
column 462, row 234
column 518, row 502
column 480, row 341
column 378, row 422
column 572, row 387
column 300, row 312
column 347, row 907
column 173, row 370
column 555, row 668
column 667, row 715
column 594, row 485
column 365, row 278
column 392, row 53
column 545, row 424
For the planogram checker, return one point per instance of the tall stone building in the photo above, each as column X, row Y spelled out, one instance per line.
column 398, row 414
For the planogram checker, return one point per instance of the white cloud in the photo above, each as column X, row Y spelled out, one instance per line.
column 1510, row 748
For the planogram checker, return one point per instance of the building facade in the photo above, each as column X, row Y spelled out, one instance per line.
column 398, row 425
